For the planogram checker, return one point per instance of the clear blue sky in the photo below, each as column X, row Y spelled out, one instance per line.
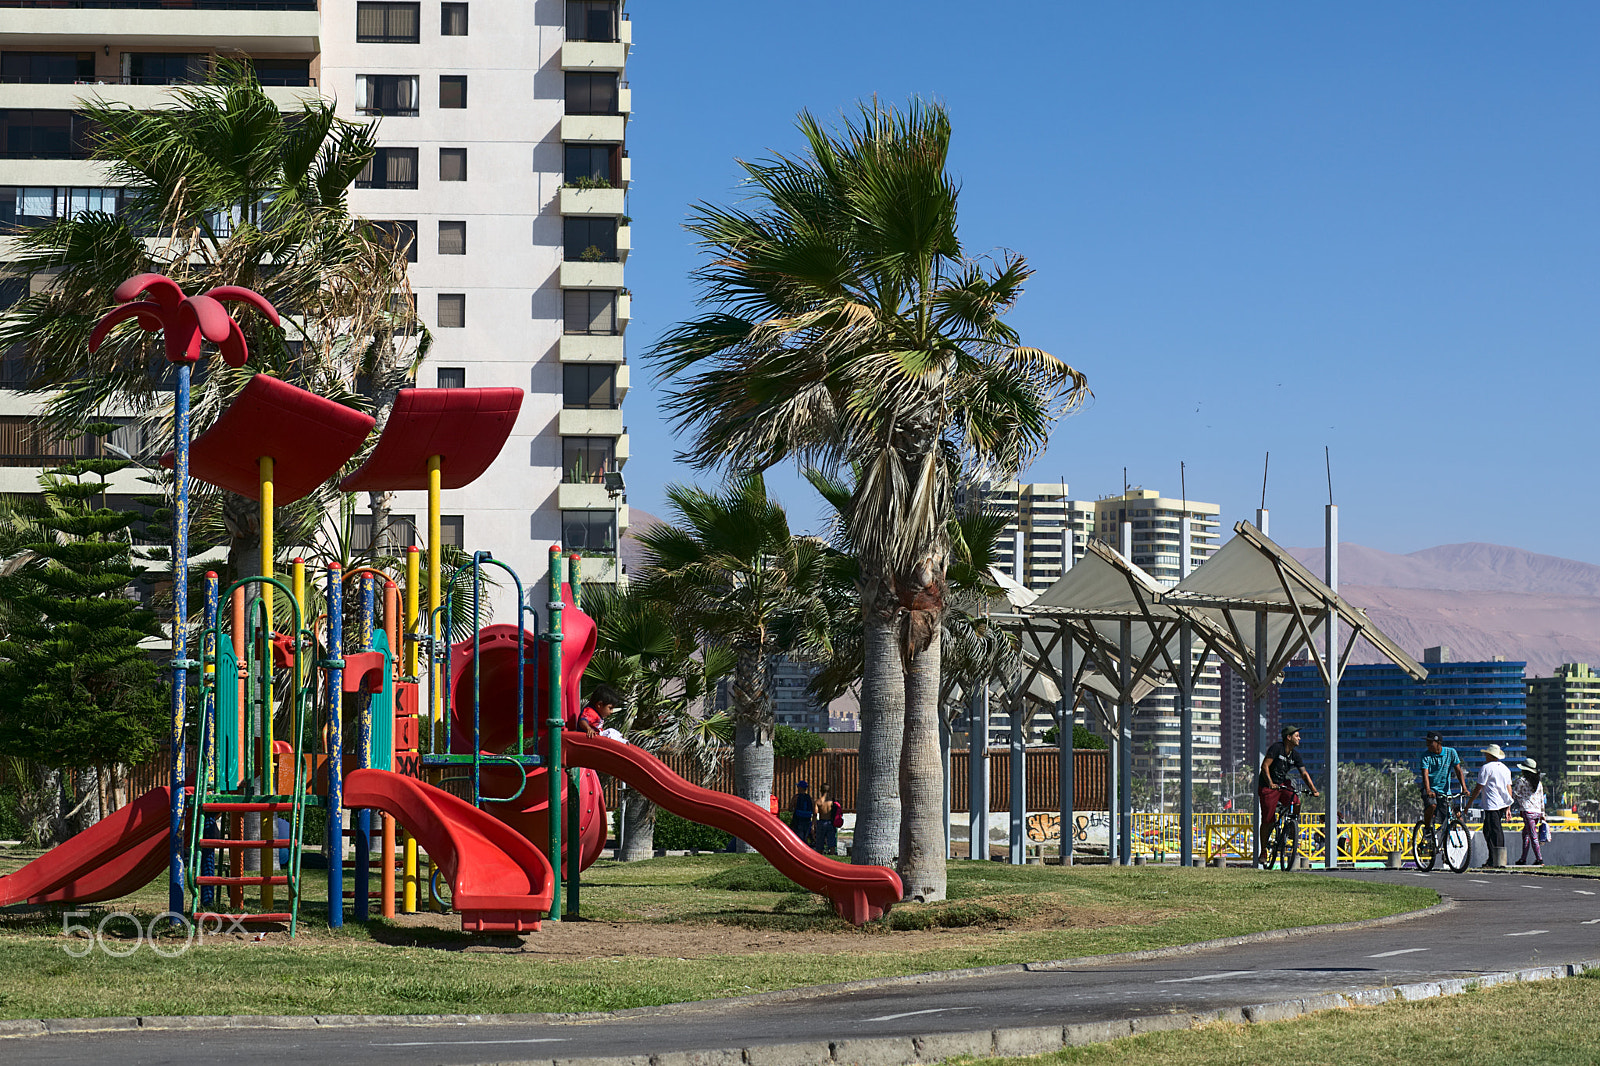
column 1255, row 227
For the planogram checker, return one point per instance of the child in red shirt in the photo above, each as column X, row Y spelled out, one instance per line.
column 602, row 701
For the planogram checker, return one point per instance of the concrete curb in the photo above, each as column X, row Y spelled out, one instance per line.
column 154, row 1023
column 1040, row 1040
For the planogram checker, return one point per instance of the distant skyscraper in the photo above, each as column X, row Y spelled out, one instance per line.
column 1383, row 713
column 1564, row 721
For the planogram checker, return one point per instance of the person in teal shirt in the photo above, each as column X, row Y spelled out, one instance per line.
column 1437, row 766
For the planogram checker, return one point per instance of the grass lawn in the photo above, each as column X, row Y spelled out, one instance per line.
column 662, row 931
column 1552, row 1023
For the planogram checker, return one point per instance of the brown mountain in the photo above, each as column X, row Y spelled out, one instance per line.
column 1481, row 600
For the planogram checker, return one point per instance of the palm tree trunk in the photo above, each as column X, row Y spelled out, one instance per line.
column 638, row 826
column 752, row 733
column 922, row 864
column 883, row 713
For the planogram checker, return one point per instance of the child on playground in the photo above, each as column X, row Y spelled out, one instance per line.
column 592, row 719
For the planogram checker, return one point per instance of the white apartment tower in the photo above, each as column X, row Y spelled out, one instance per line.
column 502, row 131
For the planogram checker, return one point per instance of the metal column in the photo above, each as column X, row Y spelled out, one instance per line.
column 1185, row 711
column 1018, row 851
column 1125, row 741
column 1332, row 655
column 1260, row 687
column 1067, row 753
column 978, row 773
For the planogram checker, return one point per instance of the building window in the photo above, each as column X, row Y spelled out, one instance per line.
column 40, row 133
column 588, row 531
column 164, row 68
column 592, row 20
column 590, row 311
column 589, row 240
column 390, row 168
column 452, row 164
column 293, row 72
column 452, row 20
column 46, row 68
column 26, row 206
column 589, row 386
column 584, row 459
column 452, row 238
column 453, row 530
column 452, row 90
column 593, row 164
column 452, row 377
column 452, row 310
column 402, row 531
column 401, row 236
column 387, row 94
column 591, row 94
column 388, row 22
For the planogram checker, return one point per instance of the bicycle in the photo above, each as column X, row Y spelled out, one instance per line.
column 1283, row 836
column 1449, row 836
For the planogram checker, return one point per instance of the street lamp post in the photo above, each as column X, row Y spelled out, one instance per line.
column 615, row 487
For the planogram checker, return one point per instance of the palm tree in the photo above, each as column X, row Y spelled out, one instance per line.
column 228, row 190
column 848, row 328
column 645, row 655
column 731, row 571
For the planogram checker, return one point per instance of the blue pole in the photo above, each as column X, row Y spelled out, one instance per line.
column 335, row 747
column 363, row 817
column 180, row 616
column 208, row 758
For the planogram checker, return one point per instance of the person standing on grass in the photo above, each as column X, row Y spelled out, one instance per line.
column 801, row 810
column 1528, row 794
column 1494, row 785
column 827, row 823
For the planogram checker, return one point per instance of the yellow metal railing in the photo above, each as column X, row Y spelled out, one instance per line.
column 1231, row 835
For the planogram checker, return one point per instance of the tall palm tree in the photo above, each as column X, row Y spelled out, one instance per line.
column 227, row 190
column 847, row 327
column 733, row 573
column 644, row 654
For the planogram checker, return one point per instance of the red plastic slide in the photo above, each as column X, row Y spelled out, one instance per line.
column 859, row 893
column 117, row 855
column 499, row 882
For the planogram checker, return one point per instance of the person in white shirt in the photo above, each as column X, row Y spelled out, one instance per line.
column 1494, row 788
column 1528, row 792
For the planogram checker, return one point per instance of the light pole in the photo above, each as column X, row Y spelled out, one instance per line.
column 1396, row 770
column 615, row 487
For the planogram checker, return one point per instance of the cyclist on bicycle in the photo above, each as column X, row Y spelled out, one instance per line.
column 1437, row 766
column 1273, row 785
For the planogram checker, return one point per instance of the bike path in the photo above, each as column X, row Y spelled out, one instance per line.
column 1499, row 922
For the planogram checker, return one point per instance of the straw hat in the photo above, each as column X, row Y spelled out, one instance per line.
column 1530, row 765
column 1493, row 751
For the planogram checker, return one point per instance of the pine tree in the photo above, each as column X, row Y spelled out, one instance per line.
column 77, row 692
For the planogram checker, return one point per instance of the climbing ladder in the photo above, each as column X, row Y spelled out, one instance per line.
column 240, row 772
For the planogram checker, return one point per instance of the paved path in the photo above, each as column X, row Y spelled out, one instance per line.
column 1500, row 922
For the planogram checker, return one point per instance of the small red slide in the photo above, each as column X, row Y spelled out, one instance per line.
column 859, row 893
column 118, row 854
column 499, row 881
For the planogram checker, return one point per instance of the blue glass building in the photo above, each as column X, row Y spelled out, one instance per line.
column 1383, row 713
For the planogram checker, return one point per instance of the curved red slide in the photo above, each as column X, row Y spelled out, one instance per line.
column 499, row 882
column 118, row 854
column 859, row 893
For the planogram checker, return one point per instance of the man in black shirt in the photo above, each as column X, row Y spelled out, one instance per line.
column 1272, row 785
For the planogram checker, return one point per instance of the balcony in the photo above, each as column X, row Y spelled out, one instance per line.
column 117, row 91
column 583, row 423
column 594, row 55
column 593, row 201
column 262, row 26
column 624, row 309
column 622, row 460
column 581, row 275
column 607, row 128
column 591, row 348
column 585, row 497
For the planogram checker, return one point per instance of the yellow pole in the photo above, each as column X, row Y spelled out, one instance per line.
column 435, row 600
column 269, row 768
column 413, row 596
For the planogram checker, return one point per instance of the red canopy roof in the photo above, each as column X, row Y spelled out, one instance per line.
column 466, row 428
column 309, row 437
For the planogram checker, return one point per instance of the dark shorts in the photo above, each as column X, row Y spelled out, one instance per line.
column 1270, row 798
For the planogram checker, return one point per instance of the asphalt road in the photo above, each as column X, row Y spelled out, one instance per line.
column 1502, row 921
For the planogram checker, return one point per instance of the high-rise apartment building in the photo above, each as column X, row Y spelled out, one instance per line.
column 502, row 128
column 1564, row 721
column 1384, row 714
column 1155, row 522
column 1044, row 518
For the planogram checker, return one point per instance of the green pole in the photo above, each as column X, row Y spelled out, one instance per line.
column 574, row 840
column 553, row 772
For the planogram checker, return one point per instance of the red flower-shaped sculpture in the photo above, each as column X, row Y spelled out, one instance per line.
column 185, row 320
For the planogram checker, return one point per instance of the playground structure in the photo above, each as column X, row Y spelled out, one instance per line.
column 461, row 769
